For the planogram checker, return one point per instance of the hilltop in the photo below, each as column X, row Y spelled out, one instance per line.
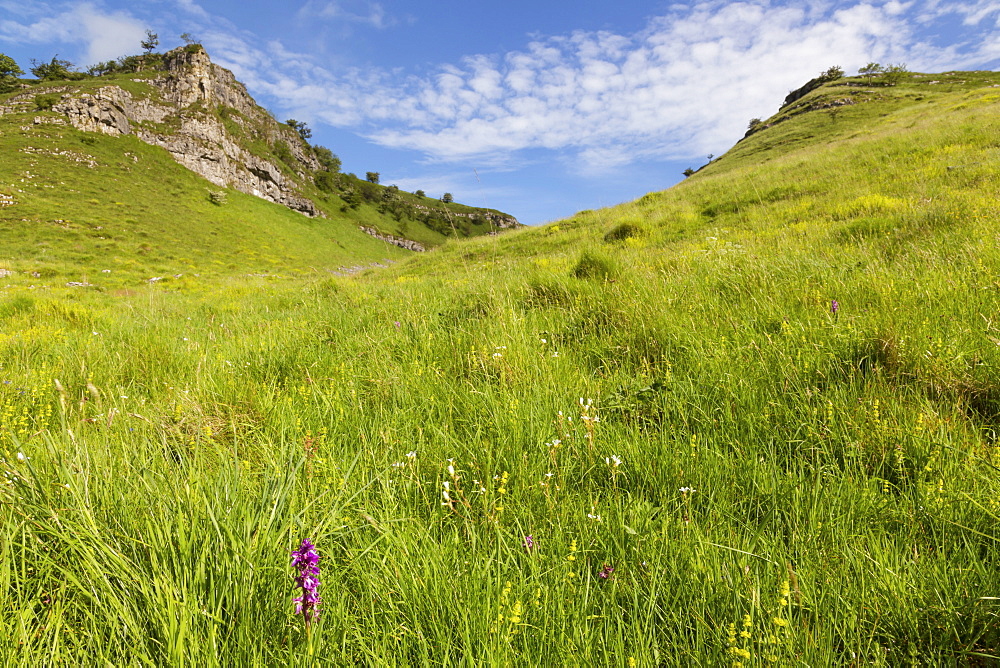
column 749, row 420
column 71, row 138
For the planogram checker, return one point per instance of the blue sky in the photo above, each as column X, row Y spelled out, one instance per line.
column 539, row 108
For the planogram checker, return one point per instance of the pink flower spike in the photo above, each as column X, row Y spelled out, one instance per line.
column 306, row 561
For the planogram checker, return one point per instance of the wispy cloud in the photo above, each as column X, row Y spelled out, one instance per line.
column 686, row 84
column 972, row 12
column 354, row 11
column 193, row 8
column 98, row 33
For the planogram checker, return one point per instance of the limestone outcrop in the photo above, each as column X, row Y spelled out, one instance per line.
column 408, row 244
column 186, row 114
column 209, row 123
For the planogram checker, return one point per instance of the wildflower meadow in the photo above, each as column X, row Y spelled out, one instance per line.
column 748, row 421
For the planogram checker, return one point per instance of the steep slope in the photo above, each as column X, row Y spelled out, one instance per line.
column 207, row 122
column 115, row 211
column 750, row 419
column 846, row 156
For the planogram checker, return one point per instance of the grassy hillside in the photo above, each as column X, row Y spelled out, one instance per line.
column 750, row 420
column 84, row 204
column 71, row 197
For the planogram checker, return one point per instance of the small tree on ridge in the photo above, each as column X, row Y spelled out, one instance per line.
column 53, row 70
column 150, row 43
column 892, row 74
column 9, row 71
column 869, row 71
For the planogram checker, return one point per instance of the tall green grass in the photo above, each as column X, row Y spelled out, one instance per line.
column 661, row 389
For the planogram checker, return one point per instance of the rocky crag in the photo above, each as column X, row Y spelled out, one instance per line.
column 187, row 116
column 198, row 111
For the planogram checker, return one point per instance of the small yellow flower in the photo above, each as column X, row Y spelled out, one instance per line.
column 779, row 621
column 515, row 613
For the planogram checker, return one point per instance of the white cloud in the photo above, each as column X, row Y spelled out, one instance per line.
column 193, row 8
column 108, row 36
column 686, row 84
column 354, row 11
column 101, row 34
column 462, row 184
column 972, row 12
column 683, row 85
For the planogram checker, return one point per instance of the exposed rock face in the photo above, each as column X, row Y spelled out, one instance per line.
column 395, row 241
column 186, row 121
column 500, row 221
column 801, row 92
column 209, row 123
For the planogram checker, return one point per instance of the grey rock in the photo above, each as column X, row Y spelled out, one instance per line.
column 184, row 122
column 408, row 244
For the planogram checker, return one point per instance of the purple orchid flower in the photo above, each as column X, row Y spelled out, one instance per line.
column 306, row 561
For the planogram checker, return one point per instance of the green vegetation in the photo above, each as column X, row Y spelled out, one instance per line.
column 115, row 212
column 315, row 170
column 151, row 42
column 764, row 433
column 9, row 71
column 55, row 70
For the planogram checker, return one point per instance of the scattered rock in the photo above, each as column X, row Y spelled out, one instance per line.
column 81, row 158
column 347, row 271
column 408, row 244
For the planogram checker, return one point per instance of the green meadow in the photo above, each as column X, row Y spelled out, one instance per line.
column 747, row 421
